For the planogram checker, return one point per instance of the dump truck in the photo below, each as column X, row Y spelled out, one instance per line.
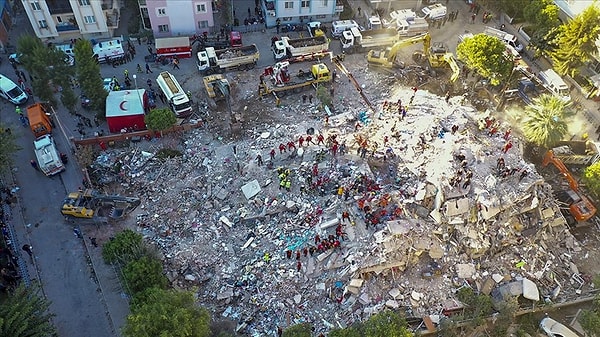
column 234, row 39
column 47, row 156
column 48, row 159
column 89, row 204
column 279, row 79
column 286, row 47
column 39, row 119
column 212, row 61
column 353, row 40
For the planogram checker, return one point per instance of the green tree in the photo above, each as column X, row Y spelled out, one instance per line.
column 591, row 178
column 36, row 60
column 160, row 119
column 88, row 75
column 24, row 313
column 576, row 42
column 487, row 56
column 386, row 324
column 125, row 247
column 144, row 273
column 8, row 148
column 351, row 331
column 543, row 16
column 590, row 322
column 168, row 313
column 68, row 98
column 545, row 122
column 298, row 330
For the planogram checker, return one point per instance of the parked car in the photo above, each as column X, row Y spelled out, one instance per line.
column 554, row 329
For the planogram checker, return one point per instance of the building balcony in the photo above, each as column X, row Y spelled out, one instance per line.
column 112, row 18
column 339, row 6
column 108, row 4
column 65, row 27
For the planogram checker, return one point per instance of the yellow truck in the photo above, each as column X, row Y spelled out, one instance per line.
column 279, row 79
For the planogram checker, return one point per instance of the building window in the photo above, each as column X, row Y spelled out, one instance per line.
column 43, row 24
column 161, row 11
column 163, row 28
column 84, row 2
column 287, row 18
column 203, row 24
column 324, row 3
column 305, row 4
column 321, row 16
column 89, row 19
column 36, row 6
column 288, row 5
column 201, row 8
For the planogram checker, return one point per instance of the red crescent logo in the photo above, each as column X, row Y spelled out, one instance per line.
column 122, row 105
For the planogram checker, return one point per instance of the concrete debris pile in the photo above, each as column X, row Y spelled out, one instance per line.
column 393, row 209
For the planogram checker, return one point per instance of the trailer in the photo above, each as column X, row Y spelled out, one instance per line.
column 174, row 46
column 354, row 40
column 286, row 47
column 214, row 61
column 280, row 79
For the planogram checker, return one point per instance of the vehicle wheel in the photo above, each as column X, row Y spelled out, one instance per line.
column 251, row 66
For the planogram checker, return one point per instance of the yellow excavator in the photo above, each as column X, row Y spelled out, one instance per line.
column 437, row 55
column 90, row 204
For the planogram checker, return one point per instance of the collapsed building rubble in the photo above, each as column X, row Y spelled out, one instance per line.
column 414, row 208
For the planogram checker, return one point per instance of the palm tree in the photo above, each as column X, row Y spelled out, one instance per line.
column 545, row 121
column 24, row 313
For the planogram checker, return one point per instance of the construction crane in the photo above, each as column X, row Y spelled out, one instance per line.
column 581, row 207
column 338, row 63
column 437, row 55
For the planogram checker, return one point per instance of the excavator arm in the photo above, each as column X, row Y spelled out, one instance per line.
column 449, row 58
column 387, row 57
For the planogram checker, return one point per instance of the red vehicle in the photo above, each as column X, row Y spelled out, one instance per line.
column 174, row 46
column 235, row 39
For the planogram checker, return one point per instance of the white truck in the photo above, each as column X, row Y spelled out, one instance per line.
column 287, row 47
column 178, row 100
column 212, row 61
column 108, row 50
column 414, row 27
column 354, row 40
column 48, row 158
column 508, row 39
column 555, row 84
column 375, row 23
column 314, row 29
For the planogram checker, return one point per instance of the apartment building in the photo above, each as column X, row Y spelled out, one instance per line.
column 299, row 11
column 178, row 18
column 63, row 20
column 5, row 22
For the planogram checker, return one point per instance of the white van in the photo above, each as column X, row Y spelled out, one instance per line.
column 553, row 82
column 11, row 91
column 338, row 27
column 434, row 12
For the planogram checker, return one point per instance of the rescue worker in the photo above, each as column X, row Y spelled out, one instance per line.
column 272, row 154
column 300, row 141
column 267, row 257
column 288, row 184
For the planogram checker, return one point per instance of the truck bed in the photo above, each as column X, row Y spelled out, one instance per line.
column 308, row 41
column 231, row 53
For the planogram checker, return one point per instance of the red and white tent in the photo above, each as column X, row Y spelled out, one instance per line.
column 125, row 110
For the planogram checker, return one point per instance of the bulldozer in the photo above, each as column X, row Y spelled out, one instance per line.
column 89, row 204
column 437, row 55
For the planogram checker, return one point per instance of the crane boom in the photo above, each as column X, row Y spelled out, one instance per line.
column 338, row 62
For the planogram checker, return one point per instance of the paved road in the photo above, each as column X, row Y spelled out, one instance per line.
column 62, row 264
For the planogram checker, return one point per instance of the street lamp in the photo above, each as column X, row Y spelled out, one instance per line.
column 138, row 93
